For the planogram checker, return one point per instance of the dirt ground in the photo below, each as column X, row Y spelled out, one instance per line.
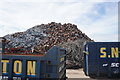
column 75, row 73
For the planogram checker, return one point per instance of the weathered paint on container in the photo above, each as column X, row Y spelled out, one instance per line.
column 52, row 65
column 102, row 59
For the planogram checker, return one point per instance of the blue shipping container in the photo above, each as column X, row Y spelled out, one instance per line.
column 52, row 65
column 102, row 59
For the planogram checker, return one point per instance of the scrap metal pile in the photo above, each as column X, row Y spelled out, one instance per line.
column 39, row 39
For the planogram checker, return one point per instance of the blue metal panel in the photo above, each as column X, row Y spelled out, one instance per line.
column 95, row 64
column 47, row 66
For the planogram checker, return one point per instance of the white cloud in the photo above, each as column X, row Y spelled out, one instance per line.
column 5, row 30
column 21, row 15
column 105, row 27
column 30, row 14
column 60, row 0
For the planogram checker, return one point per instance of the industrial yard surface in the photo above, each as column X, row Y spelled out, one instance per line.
column 75, row 73
column 78, row 74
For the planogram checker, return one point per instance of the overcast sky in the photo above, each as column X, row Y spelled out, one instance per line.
column 99, row 20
